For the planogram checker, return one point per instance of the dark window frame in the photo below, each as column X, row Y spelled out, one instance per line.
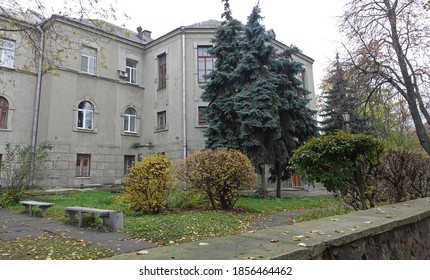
column 161, row 120
column 203, row 58
column 83, row 160
column 202, row 120
column 4, row 112
column 162, row 71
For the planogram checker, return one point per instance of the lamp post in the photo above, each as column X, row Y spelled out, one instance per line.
column 346, row 118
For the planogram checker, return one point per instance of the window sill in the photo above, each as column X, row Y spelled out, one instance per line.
column 88, row 74
column 131, row 84
column 202, row 125
column 83, row 130
column 131, row 134
column 161, row 129
column 6, row 129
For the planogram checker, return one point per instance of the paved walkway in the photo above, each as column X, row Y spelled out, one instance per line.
column 14, row 226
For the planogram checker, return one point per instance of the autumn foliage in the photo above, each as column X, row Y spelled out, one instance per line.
column 148, row 184
column 222, row 174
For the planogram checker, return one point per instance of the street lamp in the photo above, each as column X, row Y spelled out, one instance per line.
column 346, row 118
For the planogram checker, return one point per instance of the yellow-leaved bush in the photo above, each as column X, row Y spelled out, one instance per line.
column 148, row 183
column 222, row 174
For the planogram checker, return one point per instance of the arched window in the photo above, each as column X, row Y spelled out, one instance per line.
column 85, row 115
column 4, row 110
column 130, row 120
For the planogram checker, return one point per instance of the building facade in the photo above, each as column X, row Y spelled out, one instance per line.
column 116, row 97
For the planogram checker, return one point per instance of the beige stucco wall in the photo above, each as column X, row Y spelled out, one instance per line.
column 18, row 87
column 65, row 88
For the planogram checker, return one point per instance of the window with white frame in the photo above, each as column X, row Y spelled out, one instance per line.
column 131, row 69
column 7, row 53
column 161, row 120
column 85, row 118
column 130, row 120
column 205, row 63
column 89, row 60
column 4, row 112
column 83, row 164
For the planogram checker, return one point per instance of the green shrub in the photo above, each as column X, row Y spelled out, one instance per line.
column 343, row 163
column 148, row 183
column 222, row 174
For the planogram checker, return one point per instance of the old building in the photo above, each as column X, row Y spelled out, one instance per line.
column 116, row 96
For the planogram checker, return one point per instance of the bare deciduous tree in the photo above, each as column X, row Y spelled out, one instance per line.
column 394, row 37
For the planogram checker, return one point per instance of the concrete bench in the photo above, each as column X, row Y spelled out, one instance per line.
column 112, row 219
column 42, row 205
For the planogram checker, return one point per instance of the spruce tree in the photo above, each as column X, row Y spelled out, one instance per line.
column 340, row 96
column 296, row 118
column 256, row 102
column 219, row 91
column 334, row 101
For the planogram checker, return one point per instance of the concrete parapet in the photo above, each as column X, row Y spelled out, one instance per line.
column 351, row 236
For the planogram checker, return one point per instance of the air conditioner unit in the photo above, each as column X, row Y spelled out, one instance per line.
column 123, row 74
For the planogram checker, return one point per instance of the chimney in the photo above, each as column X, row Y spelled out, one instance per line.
column 143, row 33
column 147, row 34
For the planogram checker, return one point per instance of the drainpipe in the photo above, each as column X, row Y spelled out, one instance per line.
column 37, row 97
column 184, row 101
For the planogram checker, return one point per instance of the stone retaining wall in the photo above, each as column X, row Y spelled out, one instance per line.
column 408, row 242
column 398, row 231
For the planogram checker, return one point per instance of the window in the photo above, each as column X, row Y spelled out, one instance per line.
column 131, row 69
column 83, row 165
column 162, row 71
column 202, row 115
column 205, row 63
column 128, row 163
column 301, row 77
column 4, row 110
column 85, row 115
column 7, row 53
column 89, row 60
column 161, row 120
column 130, row 120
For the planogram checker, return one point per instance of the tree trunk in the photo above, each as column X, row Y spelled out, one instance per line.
column 263, row 180
column 278, row 181
column 410, row 94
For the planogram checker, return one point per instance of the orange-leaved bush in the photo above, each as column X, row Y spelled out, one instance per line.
column 148, row 183
column 222, row 174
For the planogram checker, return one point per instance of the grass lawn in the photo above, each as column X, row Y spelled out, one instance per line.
column 177, row 225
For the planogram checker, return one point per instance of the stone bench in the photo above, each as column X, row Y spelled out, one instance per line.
column 112, row 219
column 42, row 205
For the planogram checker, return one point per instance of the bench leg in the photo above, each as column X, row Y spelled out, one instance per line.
column 116, row 221
column 80, row 219
column 43, row 211
column 71, row 217
column 106, row 221
column 30, row 212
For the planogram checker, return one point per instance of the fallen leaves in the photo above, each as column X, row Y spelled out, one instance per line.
column 51, row 247
column 298, row 238
column 143, row 252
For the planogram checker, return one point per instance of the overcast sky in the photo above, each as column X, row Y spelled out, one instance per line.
column 311, row 25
